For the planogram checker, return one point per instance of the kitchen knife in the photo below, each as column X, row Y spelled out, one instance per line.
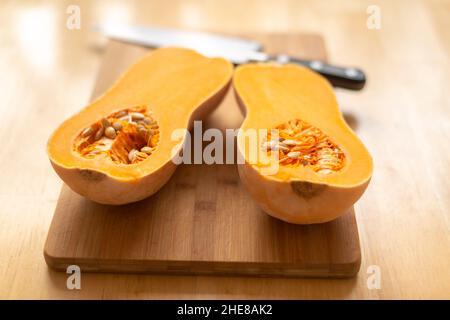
column 235, row 49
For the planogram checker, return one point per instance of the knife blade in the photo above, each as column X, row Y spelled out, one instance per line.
column 235, row 49
column 163, row 37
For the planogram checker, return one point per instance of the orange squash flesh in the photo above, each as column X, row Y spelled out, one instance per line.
column 301, row 191
column 176, row 86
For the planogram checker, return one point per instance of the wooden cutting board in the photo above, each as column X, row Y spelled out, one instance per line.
column 202, row 221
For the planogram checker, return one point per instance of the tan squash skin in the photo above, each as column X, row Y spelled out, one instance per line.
column 270, row 95
column 179, row 85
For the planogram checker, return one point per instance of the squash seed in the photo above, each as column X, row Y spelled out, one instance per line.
column 290, row 142
column 132, row 155
column 142, row 130
column 147, row 120
column 117, row 125
column 137, row 116
column 87, row 132
column 110, row 133
column 294, row 155
column 146, row 150
column 121, row 114
column 99, row 133
column 105, row 123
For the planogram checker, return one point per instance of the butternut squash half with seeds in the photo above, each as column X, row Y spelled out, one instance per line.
column 318, row 166
column 119, row 149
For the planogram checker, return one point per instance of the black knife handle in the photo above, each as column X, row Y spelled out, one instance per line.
column 342, row 77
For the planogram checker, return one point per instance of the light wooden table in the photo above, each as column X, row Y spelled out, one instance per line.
column 47, row 73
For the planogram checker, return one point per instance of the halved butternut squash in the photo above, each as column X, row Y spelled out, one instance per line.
column 119, row 149
column 322, row 168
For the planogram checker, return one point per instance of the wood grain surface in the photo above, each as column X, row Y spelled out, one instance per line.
column 403, row 116
column 202, row 221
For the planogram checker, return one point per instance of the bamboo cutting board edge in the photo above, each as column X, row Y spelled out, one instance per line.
column 59, row 262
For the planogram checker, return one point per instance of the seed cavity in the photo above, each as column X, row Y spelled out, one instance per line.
column 127, row 136
column 301, row 144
